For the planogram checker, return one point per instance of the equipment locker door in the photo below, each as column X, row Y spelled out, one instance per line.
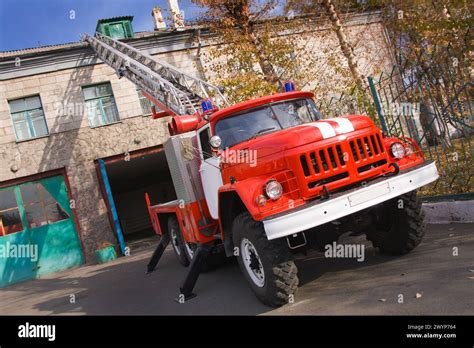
column 210, row 173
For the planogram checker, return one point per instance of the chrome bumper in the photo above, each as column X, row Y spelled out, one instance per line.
column 320, row 212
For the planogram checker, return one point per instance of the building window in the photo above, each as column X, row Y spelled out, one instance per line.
column 117, row 28
column 28, row 118
column 10, row 219
column 100, row 105
column 145, row 104
column 40, row 206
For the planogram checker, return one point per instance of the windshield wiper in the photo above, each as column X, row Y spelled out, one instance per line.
column 260, row 132
column 264, row 130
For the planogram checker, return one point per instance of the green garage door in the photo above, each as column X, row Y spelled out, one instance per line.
column 37, row 231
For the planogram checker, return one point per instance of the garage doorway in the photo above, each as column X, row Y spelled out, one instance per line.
column 38, row 232
column 131, row 176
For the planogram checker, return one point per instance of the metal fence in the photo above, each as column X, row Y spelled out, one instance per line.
column 431, row 101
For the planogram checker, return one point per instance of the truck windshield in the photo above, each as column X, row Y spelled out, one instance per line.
column 269, row 118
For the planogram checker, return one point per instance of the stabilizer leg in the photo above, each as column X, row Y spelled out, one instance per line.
column 164, row 241
column 200, row 255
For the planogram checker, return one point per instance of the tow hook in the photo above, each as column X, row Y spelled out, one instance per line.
column 325, row 194
column 296, row 240
column 395, row 171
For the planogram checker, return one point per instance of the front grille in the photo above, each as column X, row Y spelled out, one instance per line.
column 329, row 158
column 366, row 147
column 330, row 165
column 328, row 180
column 371, row 166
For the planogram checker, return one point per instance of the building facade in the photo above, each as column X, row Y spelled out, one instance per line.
column 78, row 148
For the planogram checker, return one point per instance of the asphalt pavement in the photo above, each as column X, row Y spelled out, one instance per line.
column 436, row 278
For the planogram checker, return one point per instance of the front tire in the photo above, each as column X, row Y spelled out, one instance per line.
column 267, row 265
column 398, row 225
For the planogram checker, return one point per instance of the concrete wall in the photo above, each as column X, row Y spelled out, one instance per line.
column 72, row 147
column 72, row 143
column 320, row 58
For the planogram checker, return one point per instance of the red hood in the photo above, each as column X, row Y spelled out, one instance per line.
column 290, row 138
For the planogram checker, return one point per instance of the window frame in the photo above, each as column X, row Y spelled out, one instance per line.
column 43, row 202
column 207, row 129
column 142, row 98
column 123, row 30
column 99, row 98
column 26, row 115
column 271, row 107
column 18, row 207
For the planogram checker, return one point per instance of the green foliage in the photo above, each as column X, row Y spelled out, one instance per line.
column 417, row 26
column 456, row 168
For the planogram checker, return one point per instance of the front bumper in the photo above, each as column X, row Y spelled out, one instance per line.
column 348, row 202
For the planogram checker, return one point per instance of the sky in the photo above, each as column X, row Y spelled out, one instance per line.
column 31, row 23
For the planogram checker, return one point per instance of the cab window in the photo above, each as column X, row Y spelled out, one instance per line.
column 206, row 149
column 265, row 119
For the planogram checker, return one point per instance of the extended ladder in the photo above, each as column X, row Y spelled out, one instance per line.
column 175, row 90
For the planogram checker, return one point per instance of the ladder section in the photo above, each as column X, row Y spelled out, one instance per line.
column 176, row 90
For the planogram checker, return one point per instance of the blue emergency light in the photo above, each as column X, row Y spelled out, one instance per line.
column 206, row 105
column 289, row 86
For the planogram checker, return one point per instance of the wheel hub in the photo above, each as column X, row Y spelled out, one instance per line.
column 252, row 262
column 174, row 240
column 189, row 250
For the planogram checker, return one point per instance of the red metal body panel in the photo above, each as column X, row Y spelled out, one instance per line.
column 306, row 164
column 188, row 216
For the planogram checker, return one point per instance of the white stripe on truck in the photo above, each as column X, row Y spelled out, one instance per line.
column 345, row 125
column 326, row 129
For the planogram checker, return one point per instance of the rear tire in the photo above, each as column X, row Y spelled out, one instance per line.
column 185, row 251
column 267, row 265
column 398, row 225
column 177, row 241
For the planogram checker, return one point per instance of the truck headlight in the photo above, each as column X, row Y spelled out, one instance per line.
column 215, row 141
column 273, row 189
column 397, row 150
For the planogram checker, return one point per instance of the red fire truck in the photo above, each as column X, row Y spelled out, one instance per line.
column 258, row 179
column 269, row 178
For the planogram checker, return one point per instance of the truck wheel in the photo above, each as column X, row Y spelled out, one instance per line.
column 177, row 241
column 185, row 251
column 267, row 265
column 215, row 259
column 398, row 225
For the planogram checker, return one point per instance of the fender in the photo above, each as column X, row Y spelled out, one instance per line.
column 235, row 199
column 247, row 190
